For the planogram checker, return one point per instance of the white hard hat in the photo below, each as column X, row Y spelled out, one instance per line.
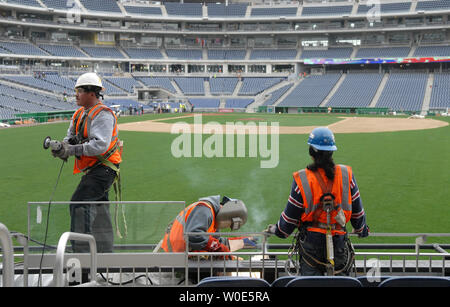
column 89, row 79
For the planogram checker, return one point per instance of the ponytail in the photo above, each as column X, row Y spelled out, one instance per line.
column 323, row 160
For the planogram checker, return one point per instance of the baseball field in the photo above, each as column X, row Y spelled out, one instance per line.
column 402, row 173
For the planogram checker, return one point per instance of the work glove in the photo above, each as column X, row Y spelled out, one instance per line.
column 270, row 230
column 248, row 242
column 67, row 150
column 215, row 246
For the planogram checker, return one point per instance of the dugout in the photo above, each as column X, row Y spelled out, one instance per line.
column 43, row 117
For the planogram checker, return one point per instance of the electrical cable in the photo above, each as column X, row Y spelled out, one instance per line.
column 47, row 222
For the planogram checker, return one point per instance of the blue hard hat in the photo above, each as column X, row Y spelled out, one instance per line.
column 322, row 138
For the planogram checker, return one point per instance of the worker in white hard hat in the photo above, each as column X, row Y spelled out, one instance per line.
column 92, row 138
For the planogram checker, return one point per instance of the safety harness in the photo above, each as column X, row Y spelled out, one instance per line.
column 327, row 204
column 102, row 159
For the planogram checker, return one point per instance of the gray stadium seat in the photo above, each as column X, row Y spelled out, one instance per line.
column 325, row 281
column 416, row 281
column 232, row 281
column 282, row 281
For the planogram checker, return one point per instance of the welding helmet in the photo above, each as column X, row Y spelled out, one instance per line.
column 232, row 214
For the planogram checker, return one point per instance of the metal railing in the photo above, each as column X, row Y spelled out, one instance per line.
column 58, row 273
column 130, row 262
column 8, row 256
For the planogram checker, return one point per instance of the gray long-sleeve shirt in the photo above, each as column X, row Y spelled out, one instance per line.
column 100, row 134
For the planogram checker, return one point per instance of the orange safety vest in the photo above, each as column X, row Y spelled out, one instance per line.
column 81, row 127
column 174, row 238
column 314, row 217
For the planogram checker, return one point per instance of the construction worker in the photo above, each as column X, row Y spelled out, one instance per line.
column 93, row 138
column 208, row 215
column 323, row 198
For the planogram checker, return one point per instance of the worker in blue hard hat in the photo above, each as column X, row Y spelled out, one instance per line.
column 324, row 198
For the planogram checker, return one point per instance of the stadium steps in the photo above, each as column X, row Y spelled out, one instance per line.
column 262, row 97
column 164, row 53
column 333, row 90
column 122, row 9
column 248, row 13
column 204, row 11
column 427, row 96
column 412, row 51
column 288, row 92
column 207, row 88
column 176, row 87
column 238, row 88
column 205, row 53
column 413, row 6
column 222, row 103
column 380, row 89
column 41, row 3
column 300, row 10
column 355, row 8
column 354, row 53
column 247, row 55
column 122, row 51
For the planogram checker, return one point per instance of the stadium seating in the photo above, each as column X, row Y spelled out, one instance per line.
column 254, row 85
column 274, row 11
column 325, row 281
column 62, row 50
column 227, row 11
column 404, row 92
column 432, row 5
column 143, row 53
column 24, row 2
column 204, row 103
column 226, row 54
column 330, row 53
column 21, row 48
column 233, row 282
column 357, row 90
column 158, row 82
column 275, row 95
column 127, row 84
column 282, row 281
column 143, row 10
column 101, row 6
column 441, row 91
column 103, row 52
column 426, row 51
column 58, row 4
column 184, row 9
column 386, row 7
column 311, row 91
column 273, row 54
column 237, row 103
column 184, row 54
column 386, row 52
column 191, row 85
column 416, row 281
column 222, row 86
column 327, row 10
column 372, row 282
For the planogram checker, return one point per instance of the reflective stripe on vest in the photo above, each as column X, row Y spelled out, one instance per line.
column 176, row 232
column 343, row 176
column 81, row 127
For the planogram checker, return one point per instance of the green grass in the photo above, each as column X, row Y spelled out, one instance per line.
column 403, row 178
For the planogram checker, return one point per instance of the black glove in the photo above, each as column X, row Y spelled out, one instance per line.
column 365, row 232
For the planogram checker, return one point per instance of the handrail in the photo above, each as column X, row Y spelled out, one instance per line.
column 58, row 272
column 8, row 256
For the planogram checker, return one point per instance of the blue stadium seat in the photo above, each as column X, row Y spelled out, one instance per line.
column 325, row 281
column 282, row 281
column 416, row 281
column 232, row 281
column 370, row 283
